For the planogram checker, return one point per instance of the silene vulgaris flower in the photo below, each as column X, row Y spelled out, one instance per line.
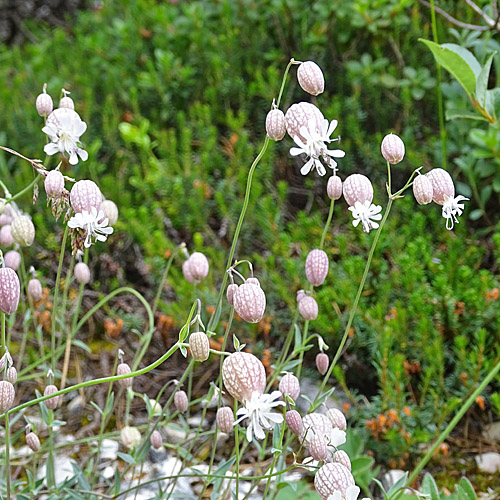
column 452, row 207
column 367, row 213
column 94, row 223
column 64, row 128
column 317, row 137
column 351, row 494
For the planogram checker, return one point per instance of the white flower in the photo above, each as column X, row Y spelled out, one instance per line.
column 64, row 128
column 451, row 208
column 351, row 494
column 93, row 223
column 366, row 213
column 258, row 411
column 315, row 147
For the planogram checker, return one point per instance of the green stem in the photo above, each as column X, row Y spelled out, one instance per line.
column 56, row 296
column 27, row 188
column 301, row 356
column 354, row 306
column 327, row 225
column 7, row 455
column 164, row 279
column 470, row 401
column 275, row 459
column 2, row 314
column 237, row 451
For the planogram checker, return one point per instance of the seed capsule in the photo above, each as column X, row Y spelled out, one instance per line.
column 342, row 458
column 12, row 259
column 23, row 231
column 308, row 308
column 393, row 149
column 290, row 385
column 181, row 401
column 243, row 373
column 11, row 375
column 82, row 273
column 275, row 125
column 44, row 104
column 249, row 302
column 442, row 185
column 84, row 195
column 110, row 211
column 333, row 477
column 302, row 114
column 231, row 289
column 334, row 187
column 316, row 267
column 10, row 289
column 156, row 439
column 33, row 441
column 294, row 421
column 54, row 184
column 225, row 419
column 422, row 189
column 7, row 396
column 130, row 437
column 6, row 239
column 52, row 402
column 318, row 447
column 311, row 78
column 199, row 345
column 337, row 418
column 35, row 290
column 322, row 362
column 357, row 187
column 124, row 369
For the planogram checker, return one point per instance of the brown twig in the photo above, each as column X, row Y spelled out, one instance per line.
column 455, row 21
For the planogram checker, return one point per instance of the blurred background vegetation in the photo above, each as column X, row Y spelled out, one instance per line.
column 175, row 94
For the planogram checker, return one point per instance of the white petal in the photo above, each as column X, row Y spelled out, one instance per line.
column 51, row 148
column 335, row 153
column 307, row 167
column 82, row 154
column 296, row 151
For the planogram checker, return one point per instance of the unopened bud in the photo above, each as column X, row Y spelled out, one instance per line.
column 10, row 289
column 110, row 211
column 275, row 125
column 52, row 402
column 332, row 478
column 311, row 78
column 6, row 239
column 442, row 185
column 231, row 289
column 35, row 290
column 156, row 439
column 303, row 114
column 225, row 419
column 23, row 231
column 322, row 362
column 181, row 401
column 357, row 187
column 130, row 437
column 290, row 385
column 33, row 441
column 341, row 457
column 294, row 421
column 316, row 267
column 54, row 184
column 334, row 187
column 7, row 396
column 11, row 375
column 198, row 266
column 393, row 149
column 199, row 345
column 44, row 104
column 422, row 189
column 337, row 418
column 124, row 369
column 308, row 308
column 249, row 302
column 66, row 101
column 82, row 273
column 12, row 259
column 243, row 374
column 85, row 195
column 318, row 447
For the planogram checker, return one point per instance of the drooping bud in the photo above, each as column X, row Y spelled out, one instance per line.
column 33, row 441
column 12, row 259
column 186, row 271
column 275, row 125
column 44, row 104
column 54, row 184
column 66, row 101
column 318, row 447
column 243, row 373
column 198, row 266
column 7, row 396
column 110, row 211
column 337, row 418
column 334, row 187
column 130, row 437
column 10, row 289
column 341, row 457
column 294, row 421
column 322, row 362
column 442, row 185
column 225, row 419
column 290, row 385
column 308, row 308
column 333, row 477
column 52, row 402
column 231, row 289
column 6, row 239
column 302, row 114
column 313, row 424
column 82, row 273
column 311, row 78
column 11, row 375
column 422, row 189
column 393, row 149
column 181, row 401
column 23, row 231
column 357, row 187
column 124, row 369
column 316, row 267
column 84, row 195
column 199, row 345
column 156, row 439
column 35, row 290
column 249, row 302
column 253, row 281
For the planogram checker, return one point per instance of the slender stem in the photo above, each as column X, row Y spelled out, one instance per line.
column 354, row 306
column 7, row 454
column 301, row 356
column 237, row 451
column 439, row 92
column 56, row 296
column 327, row 225
column 470, row 401
column 164, row 279
column 27, row 188
column 275, row 459
column 4, row 345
